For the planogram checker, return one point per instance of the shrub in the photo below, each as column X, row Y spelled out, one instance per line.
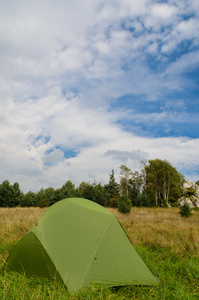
column 190, row 192
column 124, row 205
column 185, row 210
column 114, row 201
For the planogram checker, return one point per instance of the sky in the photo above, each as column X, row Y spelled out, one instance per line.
column 88, row 85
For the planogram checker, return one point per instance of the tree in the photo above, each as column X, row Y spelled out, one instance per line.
column 42, row 200
column 50, row 195
column 86, row 190
column 94, row 192
column 18, row 195
column 6, row 194
column 124, row 205
column 100, row 194
column 10, row 195
column 112, row 189
column 125, row 175
column 68, row 189
column 134, row 192
column 58, row 195
column 139, row 179
column 146, row 198
column 29, row 199
column 164, row 180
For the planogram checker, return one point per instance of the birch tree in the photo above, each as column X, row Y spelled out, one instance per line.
column 125, row 176
column 165, row 181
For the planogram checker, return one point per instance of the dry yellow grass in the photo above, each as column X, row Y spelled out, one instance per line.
column 15, row 223
column 154, row 227
column 162, row 227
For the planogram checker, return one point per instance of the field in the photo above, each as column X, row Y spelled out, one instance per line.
column 168, row 243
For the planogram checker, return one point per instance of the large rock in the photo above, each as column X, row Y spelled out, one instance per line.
column 193, row 200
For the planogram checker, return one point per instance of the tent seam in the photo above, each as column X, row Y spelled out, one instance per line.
column 91, row 261
column 37, row 234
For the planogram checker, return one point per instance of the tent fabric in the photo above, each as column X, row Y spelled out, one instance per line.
column 83, row 244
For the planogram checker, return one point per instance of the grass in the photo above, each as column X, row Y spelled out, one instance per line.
column 168, row 243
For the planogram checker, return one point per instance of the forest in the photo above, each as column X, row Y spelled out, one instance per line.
column 158, row 183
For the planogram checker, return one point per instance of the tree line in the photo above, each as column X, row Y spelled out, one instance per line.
column 157, row 184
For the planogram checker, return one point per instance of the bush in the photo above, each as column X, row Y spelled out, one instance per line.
column 190, row 192
column 124, row 205
column 185, row 210
column 114, row 201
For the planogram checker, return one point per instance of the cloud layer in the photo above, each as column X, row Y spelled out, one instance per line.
column 88, row 85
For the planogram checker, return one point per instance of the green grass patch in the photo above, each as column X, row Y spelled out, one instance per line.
column 179, row 277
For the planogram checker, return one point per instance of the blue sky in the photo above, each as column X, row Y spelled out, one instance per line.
column 86, row 86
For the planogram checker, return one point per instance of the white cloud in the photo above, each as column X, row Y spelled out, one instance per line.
column 186, row 62
column 136, row 156
column 161, row 14
column 188, row 28
column 163, row 11
column 54, row 156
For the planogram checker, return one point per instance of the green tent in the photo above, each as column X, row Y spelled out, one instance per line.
column 83, row 244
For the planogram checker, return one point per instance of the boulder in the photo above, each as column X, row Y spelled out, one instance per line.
column 192, row 200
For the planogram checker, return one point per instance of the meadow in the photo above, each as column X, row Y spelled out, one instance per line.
column 168, row 243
